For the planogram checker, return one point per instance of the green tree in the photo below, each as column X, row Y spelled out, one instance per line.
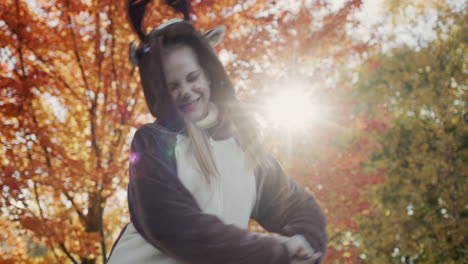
column 419, row 213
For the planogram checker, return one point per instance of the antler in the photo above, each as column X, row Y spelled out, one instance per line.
column 182, row 6
column 136, row 11
column 137, row 8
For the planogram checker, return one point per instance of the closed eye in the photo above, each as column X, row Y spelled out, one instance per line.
column 193, row 76
column 172, row 86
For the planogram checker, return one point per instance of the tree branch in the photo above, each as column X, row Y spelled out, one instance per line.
column 76, row 52
column 64, row 249
column 77, row 210
column 56, row 76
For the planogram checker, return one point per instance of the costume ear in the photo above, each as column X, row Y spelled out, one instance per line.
column 132, row 54
column 215, row 35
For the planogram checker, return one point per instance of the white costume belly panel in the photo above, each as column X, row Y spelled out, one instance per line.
column 231, row 197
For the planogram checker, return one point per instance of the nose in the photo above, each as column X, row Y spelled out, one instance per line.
column 185, row 92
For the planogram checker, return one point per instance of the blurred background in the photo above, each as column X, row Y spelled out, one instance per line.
column 363, row 102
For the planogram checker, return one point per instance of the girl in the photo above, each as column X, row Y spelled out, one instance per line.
column 199, row 174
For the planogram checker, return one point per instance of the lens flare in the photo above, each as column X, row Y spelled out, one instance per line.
column 292, row 109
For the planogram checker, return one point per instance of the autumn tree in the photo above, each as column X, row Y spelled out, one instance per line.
column 419, row 214
column 70, row 102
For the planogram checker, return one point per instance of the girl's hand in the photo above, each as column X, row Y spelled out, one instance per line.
column 300, row 251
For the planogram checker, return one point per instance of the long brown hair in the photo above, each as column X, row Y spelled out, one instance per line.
column 248, row 133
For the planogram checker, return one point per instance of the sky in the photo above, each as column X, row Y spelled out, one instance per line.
column 373, row 21
column 371, row 11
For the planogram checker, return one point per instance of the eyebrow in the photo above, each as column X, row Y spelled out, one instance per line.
column 193, row 72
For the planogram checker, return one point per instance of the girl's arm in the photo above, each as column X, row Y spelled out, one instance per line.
column 165, row 213
column 285, row 207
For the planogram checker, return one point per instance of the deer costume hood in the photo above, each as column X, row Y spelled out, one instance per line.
column 148, row 57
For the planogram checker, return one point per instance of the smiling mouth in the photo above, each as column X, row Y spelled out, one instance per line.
column 188, row 107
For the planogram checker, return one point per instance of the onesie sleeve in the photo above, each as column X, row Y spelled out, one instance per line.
column 285, row 207
column 167, row 216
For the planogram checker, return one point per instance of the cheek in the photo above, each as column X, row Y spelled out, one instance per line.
column 206, row 89
column 208, row 92
column 173, row 95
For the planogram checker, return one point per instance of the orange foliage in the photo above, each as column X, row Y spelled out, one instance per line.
column 70, row 102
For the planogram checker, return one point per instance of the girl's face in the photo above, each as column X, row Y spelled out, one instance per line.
column 189, row 87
